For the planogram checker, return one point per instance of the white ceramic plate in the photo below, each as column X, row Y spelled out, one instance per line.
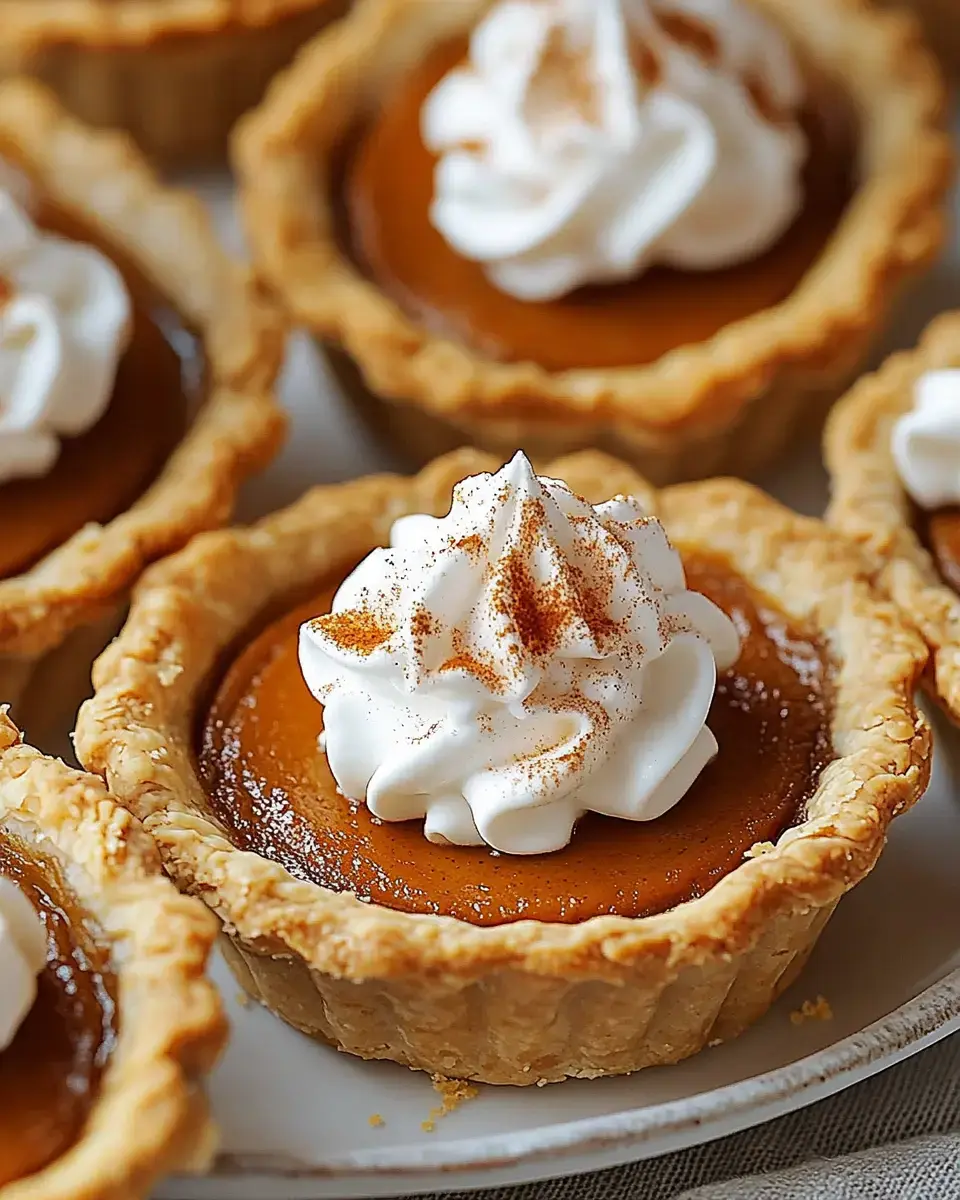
column 295, row 1115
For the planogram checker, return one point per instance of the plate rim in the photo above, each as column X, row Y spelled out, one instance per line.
column 930, row 1016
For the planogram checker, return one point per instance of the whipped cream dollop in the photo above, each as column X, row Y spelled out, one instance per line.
column 528, row 658
column 65, row 320
column 23, row 954
column 585, row 140
column 926, row 441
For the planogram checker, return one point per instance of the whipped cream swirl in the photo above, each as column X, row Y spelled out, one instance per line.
column 585, row 140
column 926, row 441
column 528, row 658
column 23, row 954
column 64, row 323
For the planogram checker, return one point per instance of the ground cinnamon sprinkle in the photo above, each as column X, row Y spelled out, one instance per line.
column 594, row 605
column 471, row 543
column 356, row 629
column 472, row 666
column 537, row 612
column 541, row 612
column 691, row 33
column 462, row 660
column 421, row 623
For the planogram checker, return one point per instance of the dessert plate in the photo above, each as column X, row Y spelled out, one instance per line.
column 300, row 1120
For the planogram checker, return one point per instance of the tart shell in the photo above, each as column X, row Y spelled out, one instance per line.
column 150, row 1117
column 729, row 404
column 941, row 20
column 176, row 74
column 528, row 1002
column 870, row 506
column 167, row 236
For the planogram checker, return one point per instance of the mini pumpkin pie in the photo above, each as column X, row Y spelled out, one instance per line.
column 528, row 793
column 108, row 1024
column 893, row 451
column 641, row 225
column 176, row 74
column 136, row 372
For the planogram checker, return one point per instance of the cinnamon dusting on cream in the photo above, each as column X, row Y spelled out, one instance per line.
column 358, row 630
column 515, row 694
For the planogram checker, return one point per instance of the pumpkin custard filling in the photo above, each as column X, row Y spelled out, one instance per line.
column 107, row 1021
column 673, row 230
column 388, row 212
column 137, row 368
column 269, row 786
column 50, row 1071
column 489, row 774
column 102, row 469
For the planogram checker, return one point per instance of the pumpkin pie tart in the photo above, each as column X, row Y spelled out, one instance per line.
column 107, row 1022
column 528, row 793
column 176, row 74
column 540, row 224
column 136, row 371
column 893, row 451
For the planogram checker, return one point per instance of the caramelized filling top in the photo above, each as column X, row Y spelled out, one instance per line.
column 103, row 471
column 270, row 785
column 386, row 193
column 50, row 1075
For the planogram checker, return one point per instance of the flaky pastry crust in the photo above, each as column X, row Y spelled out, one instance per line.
column 869, row 504
column 167, row 236
column 942, row 28
column 726, row 404
column 175, row 73
column 150, row 1117
column 530, row 1001
column 123, row 23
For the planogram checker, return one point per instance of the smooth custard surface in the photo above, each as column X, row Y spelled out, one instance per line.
column 100, row 473
column 269, row 783
column 50, row 1075
column 387, row 191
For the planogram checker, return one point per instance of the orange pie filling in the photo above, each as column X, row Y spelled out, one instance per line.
column 100, row 473
column 50, row 1075
column 940, row 530
column 387, row 187
column 270, row 785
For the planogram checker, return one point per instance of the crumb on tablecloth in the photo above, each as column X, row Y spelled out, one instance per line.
column 452, row 1093
column 244, row 999
column 375, row 1121
column 812, row 1010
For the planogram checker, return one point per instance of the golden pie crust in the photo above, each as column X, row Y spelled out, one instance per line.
column 725, row 405
column 941, row 20
column 869, row 504
column 167, row 236
column 171, row 1027
column 176, row 74
column 528, row 1002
